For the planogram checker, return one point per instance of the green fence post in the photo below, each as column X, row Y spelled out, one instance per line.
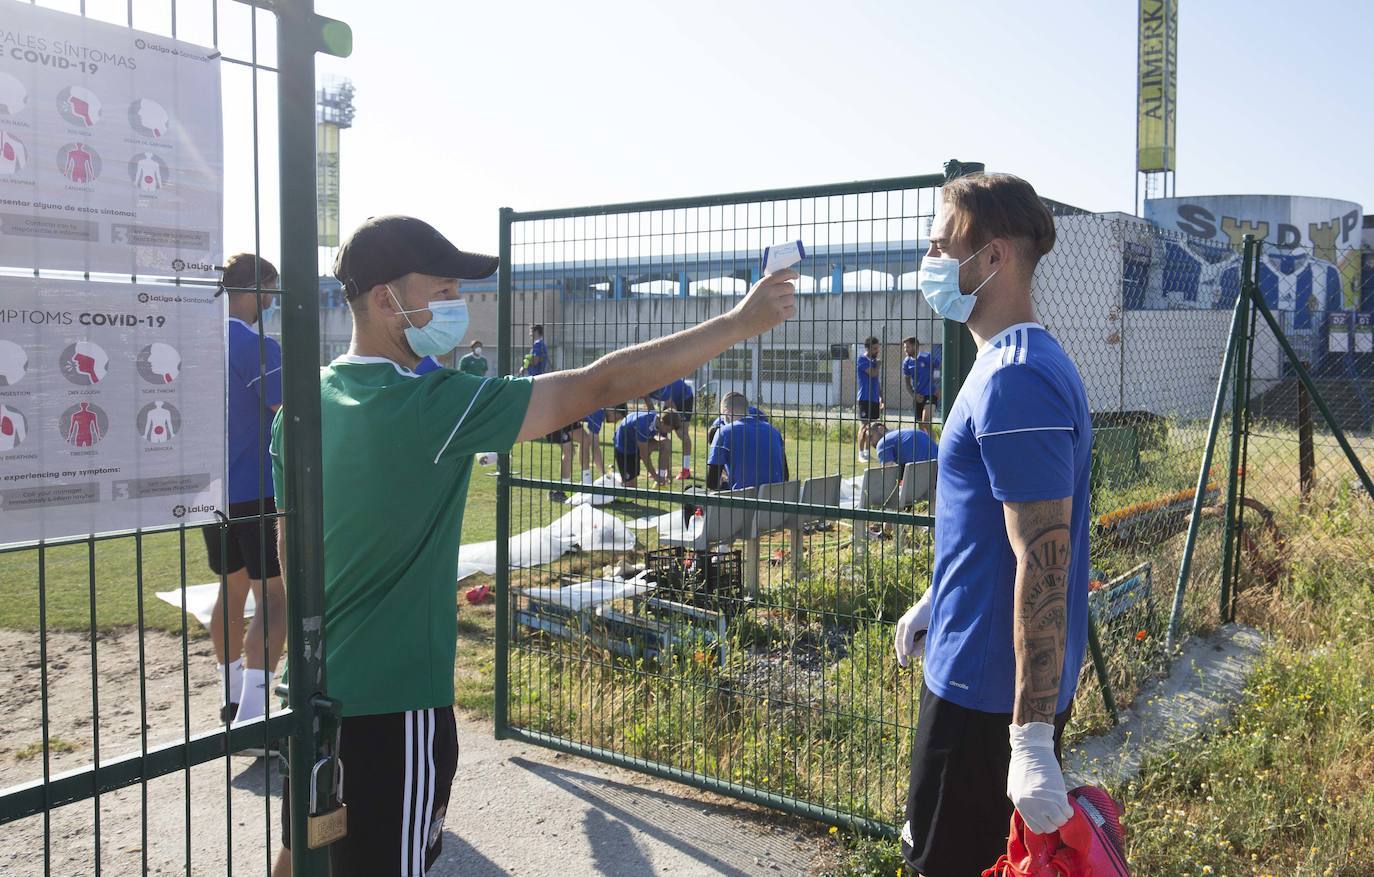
column 1100, row 668
column 959, row 351
column 300, row 34
column 503, row 489
column 1238, row 402
column 1195, row 518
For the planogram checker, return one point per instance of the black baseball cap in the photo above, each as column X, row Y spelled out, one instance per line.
column 388, row 247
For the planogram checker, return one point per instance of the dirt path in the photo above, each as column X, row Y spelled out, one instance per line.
column 515, row 809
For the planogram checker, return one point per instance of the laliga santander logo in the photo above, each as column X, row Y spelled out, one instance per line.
column 181, row 511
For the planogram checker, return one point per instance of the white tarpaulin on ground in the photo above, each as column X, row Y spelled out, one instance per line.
column 111, row 148
column 584, row 529
column 593, row 593
column 112, row 407
column 610, row 479
column 200, row 602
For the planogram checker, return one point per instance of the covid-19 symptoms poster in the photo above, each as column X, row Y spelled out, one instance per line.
column 112, row 411
column 111, row 148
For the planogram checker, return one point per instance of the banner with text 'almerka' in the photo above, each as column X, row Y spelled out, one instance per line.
column 111, row 148
column 112, row 410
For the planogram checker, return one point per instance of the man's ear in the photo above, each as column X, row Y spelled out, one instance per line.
column 380, row 300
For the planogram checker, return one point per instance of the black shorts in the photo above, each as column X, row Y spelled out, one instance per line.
column 921, row 402
column 398, row 768
column 559, row 436
column 627, row 465
column 249, row 543
column 869, row 411
column 689, row 406
column 957, row 808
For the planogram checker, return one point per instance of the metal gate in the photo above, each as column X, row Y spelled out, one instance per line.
column 79, row 599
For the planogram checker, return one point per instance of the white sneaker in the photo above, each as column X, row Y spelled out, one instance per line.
column 863, row 455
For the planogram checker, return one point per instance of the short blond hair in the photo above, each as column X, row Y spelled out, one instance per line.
column 986, row 206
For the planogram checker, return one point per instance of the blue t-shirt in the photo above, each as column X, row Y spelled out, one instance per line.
column 677, row 394
column 541, row 353
column 869, row 387
column 636, row 428
column 750, row 449
column 254, row 390
column 595, row 421
column 1019, row 431
column 902, row 446
column 427, row 365
column 753, row 412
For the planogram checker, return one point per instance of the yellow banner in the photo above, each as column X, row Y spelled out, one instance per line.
column 327, row 183
column 1157, row 86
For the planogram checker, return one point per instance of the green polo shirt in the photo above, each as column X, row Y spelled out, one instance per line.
column 473, row 365
column 397, row 455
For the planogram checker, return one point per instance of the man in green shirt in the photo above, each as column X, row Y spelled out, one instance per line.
column 474, row 363
column 397, row 456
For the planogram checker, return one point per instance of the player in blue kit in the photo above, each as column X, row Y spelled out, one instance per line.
column 637, row 437
column 869, row 394
column 902, row 446
column 1007, row 611
column 680, row 398
column 747, row 451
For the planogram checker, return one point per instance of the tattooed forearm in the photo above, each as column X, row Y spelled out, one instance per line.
column 1039, row 536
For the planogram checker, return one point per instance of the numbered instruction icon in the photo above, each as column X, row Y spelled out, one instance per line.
column 84, row 425
column 85, row 363
column 79, row 106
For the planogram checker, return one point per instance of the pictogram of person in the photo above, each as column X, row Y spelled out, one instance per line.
column 84, row 430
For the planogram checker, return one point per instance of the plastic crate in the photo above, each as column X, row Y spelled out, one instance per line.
column 706, row 579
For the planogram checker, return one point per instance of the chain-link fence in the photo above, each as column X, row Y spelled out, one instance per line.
column 740, row 640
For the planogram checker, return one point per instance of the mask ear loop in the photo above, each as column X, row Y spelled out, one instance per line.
column 400, row 310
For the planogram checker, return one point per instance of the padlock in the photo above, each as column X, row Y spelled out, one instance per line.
column 328, row 819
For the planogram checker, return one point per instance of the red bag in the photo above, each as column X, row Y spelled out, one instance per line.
column 1090, row 844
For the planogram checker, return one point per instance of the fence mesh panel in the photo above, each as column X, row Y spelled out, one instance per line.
column 756, row 657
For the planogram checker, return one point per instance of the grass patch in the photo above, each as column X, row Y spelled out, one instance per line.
column 55, row 745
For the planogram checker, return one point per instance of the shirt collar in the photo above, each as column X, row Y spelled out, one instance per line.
column 249, row 326
column 996, row 342
column 354, row 359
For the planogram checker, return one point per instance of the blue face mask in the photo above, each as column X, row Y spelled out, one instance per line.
column 938, row 280
column 444, row 330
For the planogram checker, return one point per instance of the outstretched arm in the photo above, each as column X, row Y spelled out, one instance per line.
column 562, row 397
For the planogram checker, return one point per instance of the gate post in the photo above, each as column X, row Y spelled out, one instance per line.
column 300, row 34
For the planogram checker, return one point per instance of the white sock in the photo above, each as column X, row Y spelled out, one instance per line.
column 686, row 462
column 257, row 687
column 586, row 476
column 235, row 675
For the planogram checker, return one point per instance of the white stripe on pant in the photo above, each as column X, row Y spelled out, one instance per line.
column 419, row 790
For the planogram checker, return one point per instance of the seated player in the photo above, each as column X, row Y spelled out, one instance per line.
column 746, row 452
column 722, row 420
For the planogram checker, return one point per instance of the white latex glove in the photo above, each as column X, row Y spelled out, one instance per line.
column 909, row 641
column 1035, row 782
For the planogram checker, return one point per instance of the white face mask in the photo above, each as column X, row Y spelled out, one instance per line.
column 476, row 351
column 938, row 280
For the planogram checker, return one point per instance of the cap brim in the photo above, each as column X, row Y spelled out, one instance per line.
column 464, row 266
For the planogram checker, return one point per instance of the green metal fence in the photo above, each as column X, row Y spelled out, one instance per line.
column 741, row 642
column 79, row 611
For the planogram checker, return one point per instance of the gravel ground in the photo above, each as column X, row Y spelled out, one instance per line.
column 515, row 809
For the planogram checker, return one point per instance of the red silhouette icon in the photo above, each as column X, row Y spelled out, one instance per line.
column 80, row 165
column 84, row 430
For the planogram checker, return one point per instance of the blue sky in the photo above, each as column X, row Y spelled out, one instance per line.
column 467, row 107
